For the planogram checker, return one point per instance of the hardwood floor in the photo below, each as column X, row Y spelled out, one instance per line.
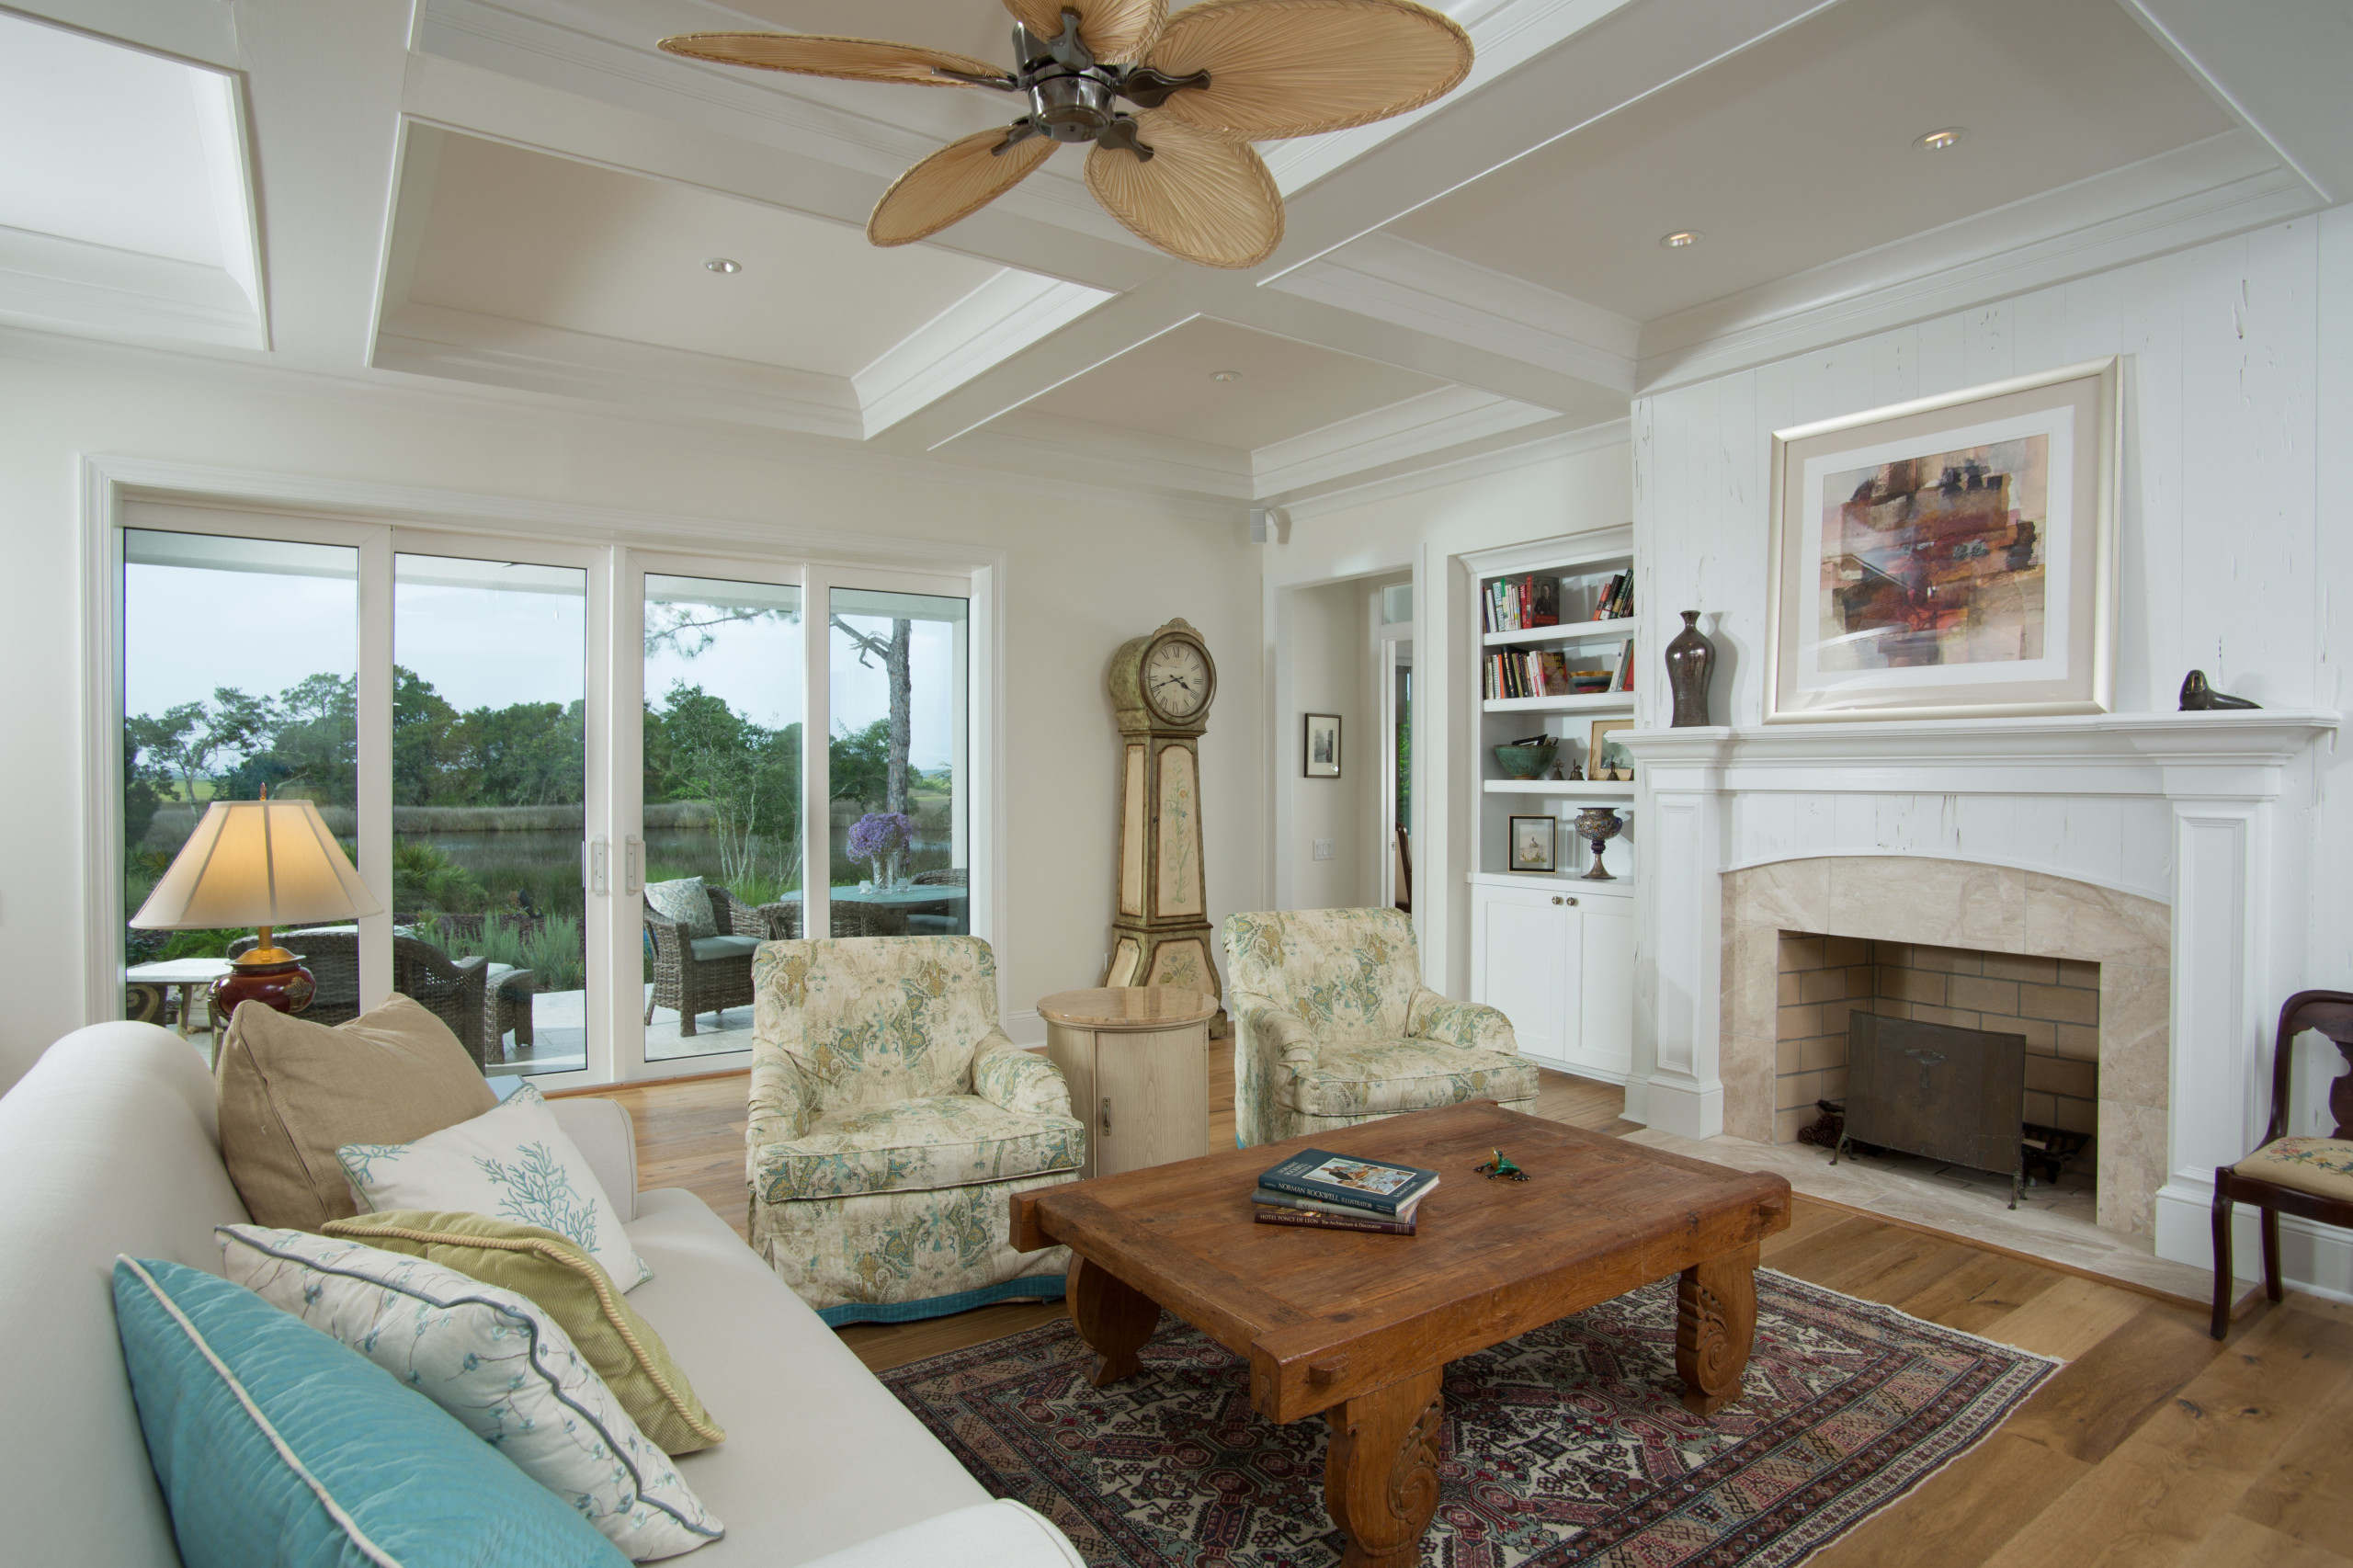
column 2154, row 1448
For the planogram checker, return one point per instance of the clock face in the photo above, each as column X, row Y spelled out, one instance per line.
column 1177, row 678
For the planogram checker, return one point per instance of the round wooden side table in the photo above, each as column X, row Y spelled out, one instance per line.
column 1136, row 1059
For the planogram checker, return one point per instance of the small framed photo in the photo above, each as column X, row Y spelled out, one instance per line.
column 1320, row 750
column 1533, row 841
column 1607, row 760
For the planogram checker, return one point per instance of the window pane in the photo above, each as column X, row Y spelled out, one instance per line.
column 489, row 784
column 896, row 759
column 240, row 669
column 723, row 799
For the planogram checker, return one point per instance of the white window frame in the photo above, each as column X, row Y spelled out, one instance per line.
column 384, row 520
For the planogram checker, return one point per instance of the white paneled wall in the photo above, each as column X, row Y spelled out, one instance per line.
column 2236, row 542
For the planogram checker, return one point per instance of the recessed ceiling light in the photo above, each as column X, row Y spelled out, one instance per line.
column 1682, row 239
column 1225, row 375
column 1939, row 140
column 722, row 265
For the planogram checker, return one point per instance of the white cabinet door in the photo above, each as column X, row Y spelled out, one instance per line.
column 1604, row 1042
column 1523, row 964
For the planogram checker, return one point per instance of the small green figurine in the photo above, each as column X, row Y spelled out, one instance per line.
column 1501, row 1166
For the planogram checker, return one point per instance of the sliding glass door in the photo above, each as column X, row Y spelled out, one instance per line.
column 586, row 782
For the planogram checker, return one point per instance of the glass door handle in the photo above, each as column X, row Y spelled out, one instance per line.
column 595, row 868
column 633, row 864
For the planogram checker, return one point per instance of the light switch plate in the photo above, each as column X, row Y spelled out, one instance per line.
column 1324, row 849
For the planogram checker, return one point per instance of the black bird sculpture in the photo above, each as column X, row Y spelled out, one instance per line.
column 2198, row 697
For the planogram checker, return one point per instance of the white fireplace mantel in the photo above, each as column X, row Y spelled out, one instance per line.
column 2178, row 807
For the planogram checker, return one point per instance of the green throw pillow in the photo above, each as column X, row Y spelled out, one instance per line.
column 571, row 1287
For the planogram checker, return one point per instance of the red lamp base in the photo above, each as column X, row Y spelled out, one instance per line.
column 287, row 986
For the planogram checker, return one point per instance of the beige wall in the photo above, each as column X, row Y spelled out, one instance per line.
column 1331, row 648
column 1081, row 578
column 1421, row 531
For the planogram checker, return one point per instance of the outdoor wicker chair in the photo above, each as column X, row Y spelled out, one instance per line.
column 693, row 976
column 940, row 919
column 453, row 990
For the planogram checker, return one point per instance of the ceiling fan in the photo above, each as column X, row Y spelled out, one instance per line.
column 1180, row 171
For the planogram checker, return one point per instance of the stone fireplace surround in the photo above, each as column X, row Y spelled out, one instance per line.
column 2154, row 844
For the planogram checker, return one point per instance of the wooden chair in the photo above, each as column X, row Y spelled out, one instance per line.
column 2310, row 1177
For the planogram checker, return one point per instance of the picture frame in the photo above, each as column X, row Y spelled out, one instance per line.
column 1604, row 758
column 1952, row 557
column 1319, row 748
column 1531, row 845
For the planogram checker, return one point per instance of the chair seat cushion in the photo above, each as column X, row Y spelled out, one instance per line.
column 1380, row 1077
column 918, row 1146
column 2322, row 1167
column 709, row 948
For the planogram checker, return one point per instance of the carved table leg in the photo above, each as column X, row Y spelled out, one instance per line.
column 1715, row 1318
column 1381, row 1473
column 1112, row 1316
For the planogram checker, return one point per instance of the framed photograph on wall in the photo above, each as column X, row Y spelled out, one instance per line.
column 1532, row 842
column 1606, row 759
column 1320, row 746
column 1953, row 557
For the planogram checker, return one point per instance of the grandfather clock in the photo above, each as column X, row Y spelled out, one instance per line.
column 1161, row 687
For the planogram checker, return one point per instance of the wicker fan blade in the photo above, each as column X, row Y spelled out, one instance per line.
column 1111, row 30
column 951, row 185
column 1297, row 67
column 850, row 59
column 1204, row 197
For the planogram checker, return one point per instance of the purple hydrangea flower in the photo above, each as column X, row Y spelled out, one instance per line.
column 879, row 833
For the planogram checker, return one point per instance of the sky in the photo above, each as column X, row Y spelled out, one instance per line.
column 188, row 630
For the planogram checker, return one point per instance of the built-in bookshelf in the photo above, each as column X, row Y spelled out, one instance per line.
column 1582, row 587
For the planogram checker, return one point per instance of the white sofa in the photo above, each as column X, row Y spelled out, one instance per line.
column 108, row 1145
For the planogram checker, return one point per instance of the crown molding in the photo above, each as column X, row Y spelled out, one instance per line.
column 1168, row 466
column 66, row 284
column 467, row 345
column 204, row 31
column 2280, row 66
column 1434, row 422
column 386, row 391
column 995, row 322
column 2224, row 184
column 1396, row 280
column 1544, row 447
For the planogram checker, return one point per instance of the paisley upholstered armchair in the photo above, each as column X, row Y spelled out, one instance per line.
column 890, row 1122
column 1333, row 1026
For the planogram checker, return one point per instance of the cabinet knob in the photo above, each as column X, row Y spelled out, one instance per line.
column 1558, row 899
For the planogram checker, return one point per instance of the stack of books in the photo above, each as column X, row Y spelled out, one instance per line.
column 1341, row 1192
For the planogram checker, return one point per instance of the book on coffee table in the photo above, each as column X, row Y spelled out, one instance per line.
column 1267, row 1197
column 1359, row 1221
column 1351, row 1181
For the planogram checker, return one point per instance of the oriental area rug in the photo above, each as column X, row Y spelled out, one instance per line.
column 1568, row 1445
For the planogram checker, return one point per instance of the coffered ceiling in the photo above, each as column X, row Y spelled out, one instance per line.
column 518, row 198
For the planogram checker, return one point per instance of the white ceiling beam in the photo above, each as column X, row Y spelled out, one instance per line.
column 202, row 30
column 2281, row 66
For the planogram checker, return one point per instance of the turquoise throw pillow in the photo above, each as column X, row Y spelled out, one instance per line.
column 275, row 1444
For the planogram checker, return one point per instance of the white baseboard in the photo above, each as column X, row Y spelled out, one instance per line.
column 1685, row 1107
column 1025, row 1027
column 2312, row 1258
column 1576, row 1070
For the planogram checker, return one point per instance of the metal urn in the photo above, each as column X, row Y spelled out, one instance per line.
column 1597, row 825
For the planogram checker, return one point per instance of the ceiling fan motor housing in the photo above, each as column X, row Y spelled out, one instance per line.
column 1071, row 108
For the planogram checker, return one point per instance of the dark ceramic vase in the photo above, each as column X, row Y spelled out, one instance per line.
column 287, row 986
column 1690, row 666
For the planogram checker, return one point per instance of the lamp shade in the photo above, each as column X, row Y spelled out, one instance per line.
column 256, row 863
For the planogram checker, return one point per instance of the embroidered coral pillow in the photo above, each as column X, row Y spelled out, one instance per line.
column 493, row 1358
column 683, row 902
column 512, row 1163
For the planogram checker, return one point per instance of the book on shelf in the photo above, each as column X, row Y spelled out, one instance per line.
column 1352, row 1181
column 1268, row 1197
column 1607, row 596
column 1363, row 1222
column 1523, row 602
column 1551, row 671
column 1626, row 667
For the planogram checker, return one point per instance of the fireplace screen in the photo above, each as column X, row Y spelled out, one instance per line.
column 1946, row 1094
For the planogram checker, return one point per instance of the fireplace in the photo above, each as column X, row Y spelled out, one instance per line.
column 2166, row 853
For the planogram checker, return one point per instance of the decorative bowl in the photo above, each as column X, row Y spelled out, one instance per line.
column 1527, row 762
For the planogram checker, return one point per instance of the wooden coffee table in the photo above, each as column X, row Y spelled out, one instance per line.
column 1359, row 1328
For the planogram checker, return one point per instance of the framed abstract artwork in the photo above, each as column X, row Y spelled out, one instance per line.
column 1949, row 558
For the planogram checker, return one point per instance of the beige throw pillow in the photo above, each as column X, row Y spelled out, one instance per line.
column 292, row 1092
